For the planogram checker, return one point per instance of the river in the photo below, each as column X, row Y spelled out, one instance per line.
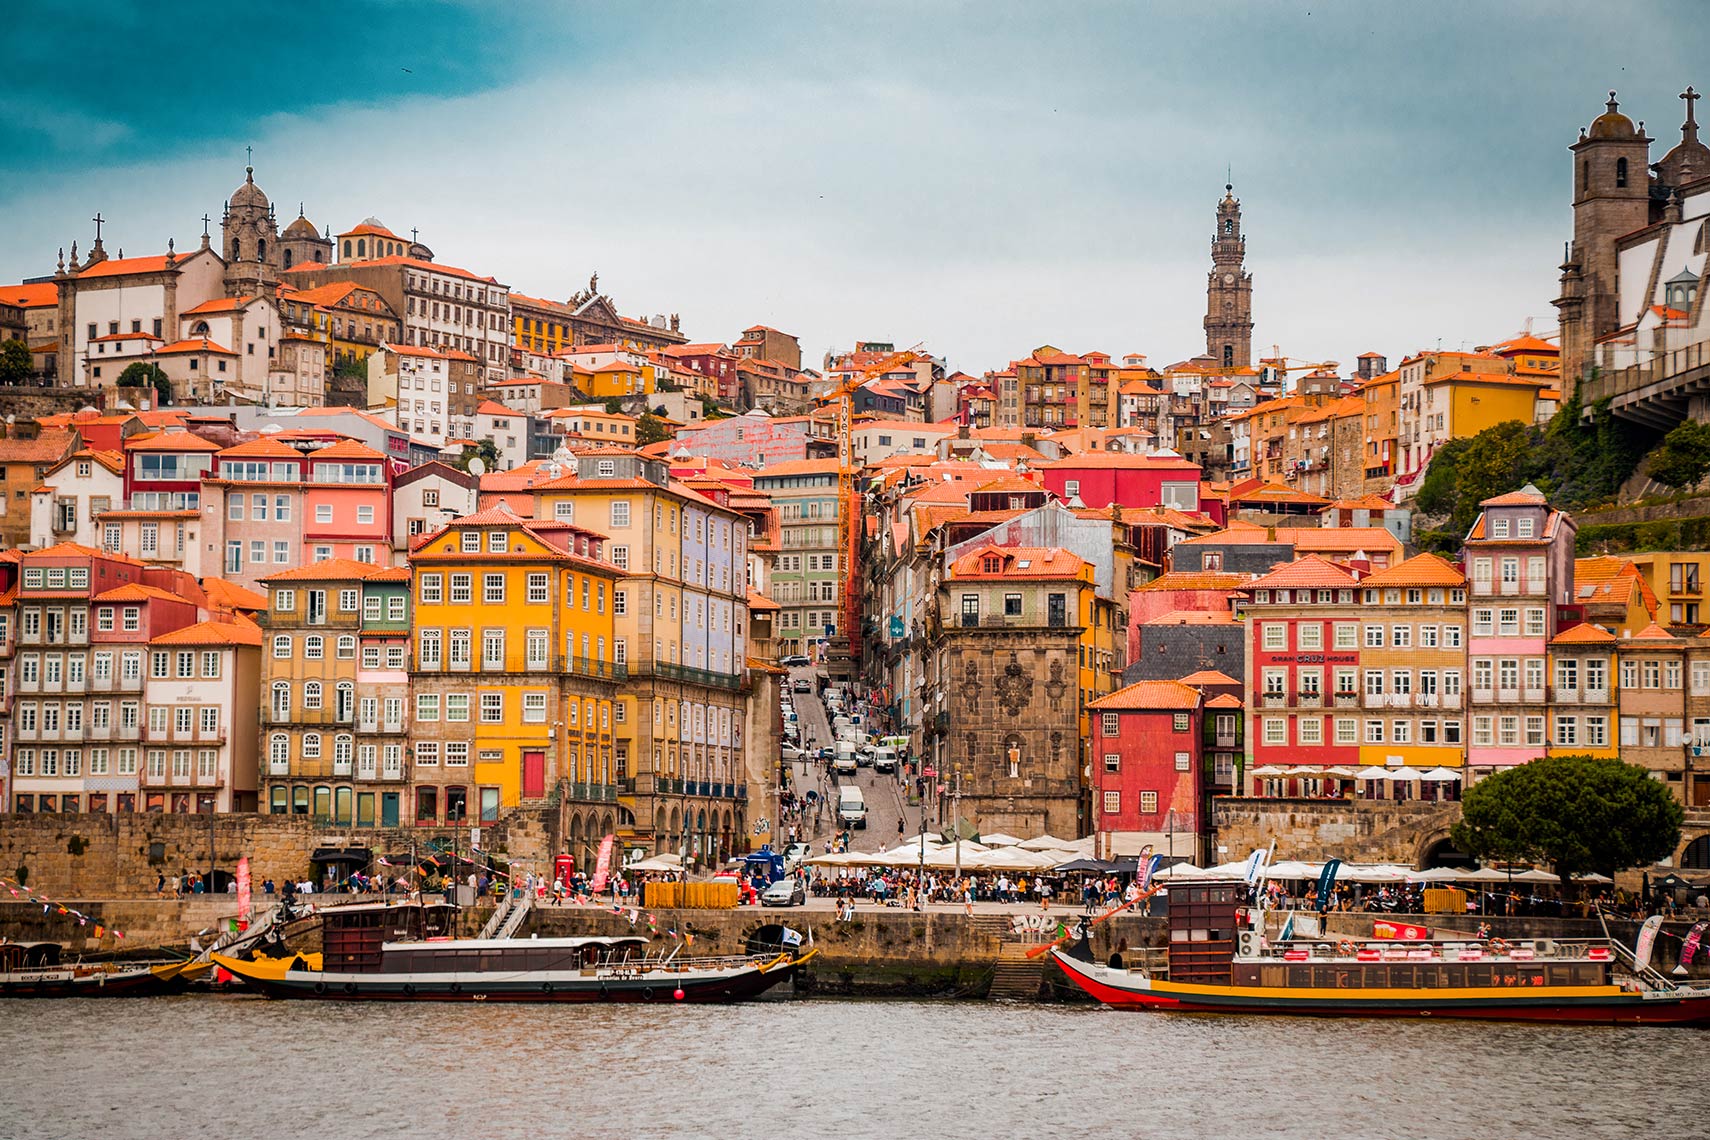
column 793, row 1070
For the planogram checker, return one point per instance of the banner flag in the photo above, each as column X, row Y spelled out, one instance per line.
column 1694, row 939
column 1150, row 869
column 1326, row 883
column 602, row 865
column 792, row 937
column 1647, row 942
column 243, row 887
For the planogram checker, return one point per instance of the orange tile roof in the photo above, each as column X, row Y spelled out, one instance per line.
column 1420, row 570
column 231, row 596
column 366, row 228
column 1192, row 617
column 1041, row 562
column 219, row 305
column 1146, row 695
column 1196, row 580
column 1209, row 677
column 196, row 344
column 52, row 444
column 1344, row 539
column 1527, row 496
column 799, row 467
column 61, row 549
column 171, row 441
column 1584, row 634
column 1099, row 459
column 212, row 633
column 37, row 295
column 1310, row 572
column 1653, row 632
column 264, row 448
column 328, row 570
column 1226, row 701
column 762, row 603
column 346, row 449
column 136, row 592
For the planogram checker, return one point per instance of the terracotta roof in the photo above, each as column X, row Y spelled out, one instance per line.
column 1344, row 539
column 1209, row 677
column 212, row 633
column 1147, row 695
column 1192, row 617
column 1099, row 459
column 491, row 408
column 264, row 448
column 1653, row 632
column 1197, row 580
column 51, row 445
column 346, row 449
column 62, row 549
column 1310, row 572
column 799, row 467
column 229, row 595
column 367, row 228
column 1527, row 496
column 136, row 592
column 1420, row 570
column 760, row 602
column 1225, row 701
column 37, row 295
column 329, row 570
column 219, row 305
column 1019, row 562
column 1584, row 634
column 171, row 441
column 195, row 344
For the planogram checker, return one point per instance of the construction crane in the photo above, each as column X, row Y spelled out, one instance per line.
column 848, row 501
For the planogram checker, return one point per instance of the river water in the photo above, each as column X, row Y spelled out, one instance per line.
column 246, row 1067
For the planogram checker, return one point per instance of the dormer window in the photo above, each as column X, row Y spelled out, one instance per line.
column 991, row 564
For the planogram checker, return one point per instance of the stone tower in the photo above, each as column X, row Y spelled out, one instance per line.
column 301, row 243
column 1611, row 198
column 1229, row 290
column 249, row 234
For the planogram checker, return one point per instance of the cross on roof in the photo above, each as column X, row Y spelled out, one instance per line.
column 205, row 220
column 412, row 235
column 1691, row 97
column 98, row 219
column 249, row 155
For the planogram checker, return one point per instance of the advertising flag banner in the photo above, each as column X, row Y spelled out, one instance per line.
column 1148, row 870
column 1647, row 942
column 1694, row 939
column 243, row 887
column 602, row 866
column 1326, row 883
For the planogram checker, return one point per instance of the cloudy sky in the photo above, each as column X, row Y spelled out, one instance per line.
column 984, row 177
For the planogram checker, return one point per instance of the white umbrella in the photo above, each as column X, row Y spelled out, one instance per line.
column 654, row 864
column 1181, row 871
column 1485, row 875
column 1536, row 877
column 1268, row 770
column 1441, row 776
column 1404, row 774
column 1373, row 773
column 1341, row 772
column 1438, row 875
column 1593, row 877
column 999, row 840
column 1293, row 869
column 1356, row 873
column 1046, row 842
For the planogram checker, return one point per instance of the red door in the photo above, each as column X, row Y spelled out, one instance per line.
column 533, row 775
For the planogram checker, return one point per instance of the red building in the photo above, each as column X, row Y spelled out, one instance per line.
column 1099, row 478
column 164, row 472
column 715, row 360
column 1148, row 771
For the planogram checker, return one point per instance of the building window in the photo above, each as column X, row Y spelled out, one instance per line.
column 1113, row 802
column 1148, row 803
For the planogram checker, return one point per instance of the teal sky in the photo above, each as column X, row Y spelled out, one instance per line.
column 983, row 177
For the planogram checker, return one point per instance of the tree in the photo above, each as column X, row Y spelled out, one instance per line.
column 485, row 450
column 143, row 375
column 16, row 364
column 1684, row 457
column 1576, row 813
column 1494, row 463
column 650, row 429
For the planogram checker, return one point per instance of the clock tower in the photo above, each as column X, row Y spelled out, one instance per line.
column 1229, row 291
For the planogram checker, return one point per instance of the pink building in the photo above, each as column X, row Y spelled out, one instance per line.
column 348, row 505
column 1099, row 478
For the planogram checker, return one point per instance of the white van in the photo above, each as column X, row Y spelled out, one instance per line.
column 852, row 806
column 845, row 763
column 884, row 759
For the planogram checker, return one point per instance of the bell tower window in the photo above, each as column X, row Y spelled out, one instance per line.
column 237, row 250
column 261, row 250
column 1620, row 172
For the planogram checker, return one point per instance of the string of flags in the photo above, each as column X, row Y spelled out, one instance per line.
column 49, row 906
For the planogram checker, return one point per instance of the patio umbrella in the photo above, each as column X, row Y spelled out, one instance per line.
column 1046, row 842
column 1405, row 774
column 1341, row 772
column 999, row 840
column 1441, row 776
column 1268, row 770
column 1373, row 773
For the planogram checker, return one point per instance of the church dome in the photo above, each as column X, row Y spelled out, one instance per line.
column 1612, row 124
column 302, row 228
column 249, row 194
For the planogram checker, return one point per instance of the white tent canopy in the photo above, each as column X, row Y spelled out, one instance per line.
column 1441, row 776
column 1046, row 842
column 1000, row 840
column 1373, row 773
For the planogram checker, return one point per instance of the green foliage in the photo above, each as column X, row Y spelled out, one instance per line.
column 711, row 411
column 1576, row 813
column 351, row 368
column 145, row 375
column 1684, row 457
column 485, row 450
column 1691, row 533
column 16, row 363
column 614, row 405
column 650, row 429
column 1574, row 461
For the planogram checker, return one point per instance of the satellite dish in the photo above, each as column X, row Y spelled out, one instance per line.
column 477, row 466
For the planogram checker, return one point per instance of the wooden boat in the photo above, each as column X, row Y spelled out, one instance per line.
column 34, row 969
column 390, row 952
column 1218, row 966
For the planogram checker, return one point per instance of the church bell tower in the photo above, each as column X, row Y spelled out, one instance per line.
column 1229, row 290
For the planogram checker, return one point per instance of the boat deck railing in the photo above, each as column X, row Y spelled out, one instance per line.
column 632, row 967
column 1467, row 949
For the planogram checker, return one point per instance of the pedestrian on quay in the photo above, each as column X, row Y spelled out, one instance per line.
column 160, row 882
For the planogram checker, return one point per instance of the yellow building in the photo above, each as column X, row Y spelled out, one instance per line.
column 1412, row 666
column 514, row 675
column 618, row 378
column 680, row 627
column 1677, row 579
column 1469, row 402
column 1615, row 594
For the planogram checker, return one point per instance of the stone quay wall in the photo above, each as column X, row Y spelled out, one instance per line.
column 1355, row 831
column 120, row 856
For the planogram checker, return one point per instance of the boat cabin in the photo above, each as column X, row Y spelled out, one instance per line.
column 1436, row 974
column 352, row 936
column 16, row 956
column 507, row 955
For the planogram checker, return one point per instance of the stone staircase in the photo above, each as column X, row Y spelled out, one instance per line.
column 1017, row 977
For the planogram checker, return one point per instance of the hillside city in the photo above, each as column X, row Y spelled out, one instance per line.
column 307, row 521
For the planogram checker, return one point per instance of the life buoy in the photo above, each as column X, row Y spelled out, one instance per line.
column 1497, row 946
column 646, row 993
column 546, row 987
column 320, row 987
column 1346, row 948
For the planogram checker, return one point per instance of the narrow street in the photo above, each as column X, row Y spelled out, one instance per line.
column 886, row 802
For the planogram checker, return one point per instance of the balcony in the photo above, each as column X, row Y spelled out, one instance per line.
column 1224, row 740
column 108, row 732
column 690, row 675
column 589, row 667
column 1483, row 696
column 1275, row 700
column 1347, row 700
column 1533, row 696
column 1508, row 696
column 1597, row 696
column 1309, row 700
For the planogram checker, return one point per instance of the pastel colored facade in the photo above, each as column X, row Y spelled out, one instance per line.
column 1413, row 666
column 1519, row 558
column 201, row 719
column 314, row 632
column 1678, row 580
column 428, row 496
column 1583, row 696
column 513, row 677
column 251, row 328
column 881, row 439
column 72, row 497
column 1099, row 479
column 681, row 631
column 751, row 438
column 507, row 428
column 1655, row 668
column 1147, row 763
column 138, row 295
column 808, row 572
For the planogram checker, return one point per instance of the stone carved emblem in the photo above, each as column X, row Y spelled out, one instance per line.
column 971, row 686
column 1056, row 686
column 1014, row 688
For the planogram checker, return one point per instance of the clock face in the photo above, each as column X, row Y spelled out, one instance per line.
column 1229, row 279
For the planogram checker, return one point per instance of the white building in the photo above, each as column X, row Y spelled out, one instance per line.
column 201, row 715
column 72, row 497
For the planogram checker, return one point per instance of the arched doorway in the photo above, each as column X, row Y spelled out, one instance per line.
column 1442, row 852
column 1696, row 855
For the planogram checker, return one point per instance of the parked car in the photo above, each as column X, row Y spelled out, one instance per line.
column 787, row 891
column 792, row 752
column 802, row 685
column 795, row 660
